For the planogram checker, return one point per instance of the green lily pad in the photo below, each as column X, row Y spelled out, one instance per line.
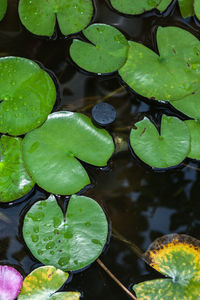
column 167, row 149
column 106, row 53
column 186, row 8
column 173, row 74
column 134, row 7
column 197, row 8
column 175, row 256
column 42, row 284
column 27, row 95
column 3, row 8
column 50, row 152
column 14, row 180
column 69, row 242
column 194, row 128
column 39, row 17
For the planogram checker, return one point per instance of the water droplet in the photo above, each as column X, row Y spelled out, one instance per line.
column 63, row 261
column 56, row 222
column 50, row 245
column 52, row 252
column 87, row 224
column 34, row 238
column 68, row 235
column 40, row 252
column 36, row 229
column 97, row 242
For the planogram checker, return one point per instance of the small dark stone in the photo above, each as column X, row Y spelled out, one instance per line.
column 103, row 114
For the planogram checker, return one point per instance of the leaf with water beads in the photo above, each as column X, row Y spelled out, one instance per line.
column 134, row 7
column 27, row 95
column 3, row 8
column 10, row 283
column 39, row 17
column 14, row 179
column 106, row 53
column 175, row 256
column 71, row 242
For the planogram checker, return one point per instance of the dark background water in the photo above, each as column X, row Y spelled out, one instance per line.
column 141, row 204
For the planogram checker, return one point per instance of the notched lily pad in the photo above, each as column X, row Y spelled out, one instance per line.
column 106, row 53
column 10, row 283
column 71, row 242
column 27, row 95
column 3, row 8
column 175, row 256
column 39, row 17
column 134, row 7
column 167, row 149
column 14, row 179
column 50, row 152
column 43, row 283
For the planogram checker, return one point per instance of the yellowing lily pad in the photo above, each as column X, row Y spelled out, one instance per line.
column 3, row 8
column 69, row 242
column 50, row 152
column 27, row 95
column 175, row 256
column 43, row 283
column 167, row 149
column 14, row 179
column 39, row 17
column 106, row 53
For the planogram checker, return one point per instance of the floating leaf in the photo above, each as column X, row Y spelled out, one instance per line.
column 186, row 8
column 43, row 283
column 39, row 17
column 71, row 242
column 3, row 8
column 161, row 151
column 106, row 53
column 50, row 152
column 197, row 8
column 134, row 7
column 14, row 180
column 178, row 257
column 10, row 283
column 27, row 95
column 171, row 75
column 194, row 128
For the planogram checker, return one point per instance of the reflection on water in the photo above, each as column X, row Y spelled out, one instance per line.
column 141, row 204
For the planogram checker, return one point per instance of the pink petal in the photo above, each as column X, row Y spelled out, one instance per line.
column 10, row 283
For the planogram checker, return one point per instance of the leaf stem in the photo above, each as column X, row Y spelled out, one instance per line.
column 191, row 167
column 115, row 279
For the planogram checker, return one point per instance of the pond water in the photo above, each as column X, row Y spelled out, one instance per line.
column 140, row 203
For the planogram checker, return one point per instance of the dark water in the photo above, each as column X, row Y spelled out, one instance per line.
column 141, row 204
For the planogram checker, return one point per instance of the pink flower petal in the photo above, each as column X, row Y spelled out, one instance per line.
column 10, row 283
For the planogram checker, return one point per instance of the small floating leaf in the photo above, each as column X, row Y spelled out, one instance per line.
column 161, row 151
column 43, row 283
column 10, row 283
column 51, row 151
column 175, row 256
column 134, row 7
column 186, row 8
column 194, row 128
column 106, row 53
column 27, row 95
column 69, row 243
column 66, row 296
column 3, row 8
column 14, row 180
column 39, row 17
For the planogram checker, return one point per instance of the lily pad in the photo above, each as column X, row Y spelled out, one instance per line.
column 39, row 17
column 50, row 152
column 106, row 53
column 3, row 8
column 186, row 8
column 167, row 149
column 43, row 283
column 69, row 242
column 10, row 283
column 197, row 8
column 194, row 128
column 27, row 95
column 14, row 180
column 134, row 7
column 175, row 256
column 173, row 74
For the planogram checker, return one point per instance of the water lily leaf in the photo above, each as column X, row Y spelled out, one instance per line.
column 197, row 8
column 178, row 257
column 106, row 53
column 134, row 7
column 161, row 151
column 10, row 283
column 71, row 242
column 194, row 128
column 39, row 17
column 50, row 152
column 3, row 8
column 14, row 179
column 66, row 296
column 186, row 8
column 27, row 95
column 169, row 76
column 42, row 283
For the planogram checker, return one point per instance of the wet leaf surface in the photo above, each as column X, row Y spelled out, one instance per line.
column 3, row 7
column 69, row 243
column 10, row 283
